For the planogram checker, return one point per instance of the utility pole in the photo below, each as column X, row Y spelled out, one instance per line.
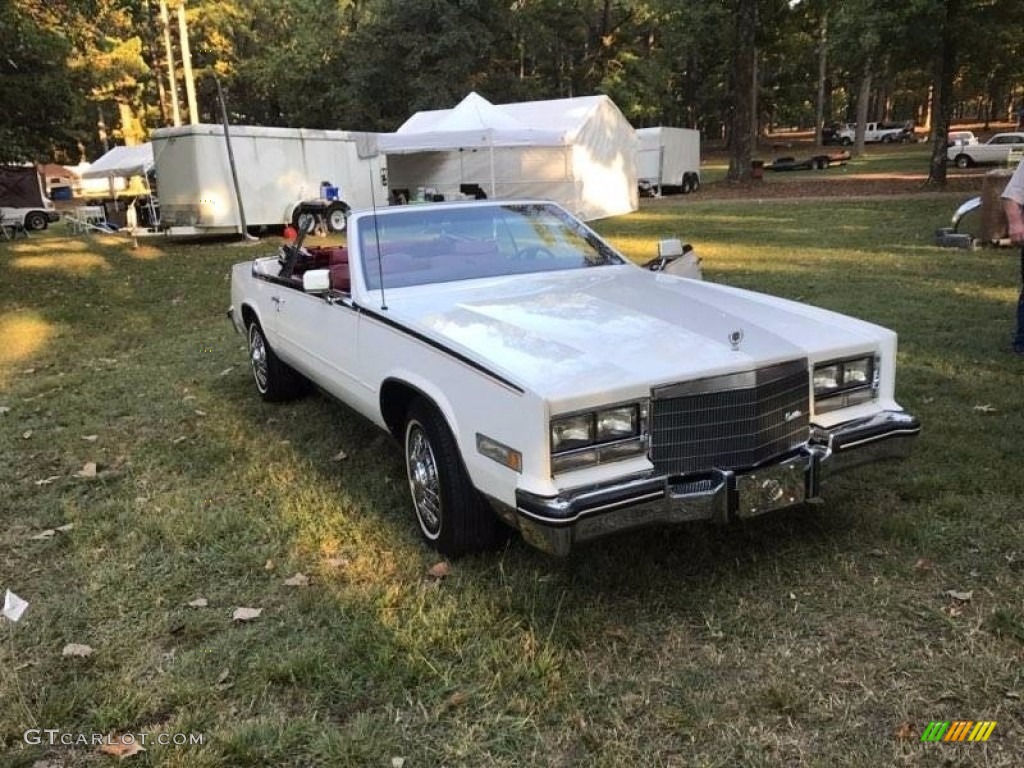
column 186, row 62
column 169, row 50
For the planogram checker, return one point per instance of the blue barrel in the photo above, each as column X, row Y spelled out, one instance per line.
column 330, row 193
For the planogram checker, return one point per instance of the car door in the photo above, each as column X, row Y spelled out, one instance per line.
column 319, row 335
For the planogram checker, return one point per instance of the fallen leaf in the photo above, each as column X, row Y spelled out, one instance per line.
column 246, row 614
column 298, row 580
column 48, row 533
column 29, row 371
column 46, row 764
column 226, row 371
column 876, row 552
column 963, row 597
column 26, row 434
column 905, row 731
column 199, row 602
column 924, row 564
column 339, row 456
column 439, row 570
column 397, row 762
column 986, row 408
column 268, row 566
column 457, row 699
column 928, row 400
column 75, row 649
column 108, row 360
column 47, row 480
column 88, row 470
column 224, row 675
column 121, row 747
column 953, row 610
column 1012, row 695
column 337, row 562
column 4, row 410
column 91, row 438
column 200, row 413
column 792, row 596
column 65, row 528
column 178, row 440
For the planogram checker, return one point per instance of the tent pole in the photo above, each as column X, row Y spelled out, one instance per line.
column 231, row 161
column 494, row 190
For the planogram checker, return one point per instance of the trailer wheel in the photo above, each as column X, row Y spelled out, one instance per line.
column 36, row 221
column 694, row 182
column 337, row 217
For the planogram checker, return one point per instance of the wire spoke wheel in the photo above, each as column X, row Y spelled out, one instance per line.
column 424, row 482
column 258, row 357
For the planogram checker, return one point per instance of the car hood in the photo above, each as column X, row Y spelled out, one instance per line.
column 567, row 334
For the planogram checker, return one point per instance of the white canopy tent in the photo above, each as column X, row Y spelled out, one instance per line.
column 579, row 152
column 122, row 162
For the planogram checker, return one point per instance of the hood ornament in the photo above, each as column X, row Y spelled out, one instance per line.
column 735, row 338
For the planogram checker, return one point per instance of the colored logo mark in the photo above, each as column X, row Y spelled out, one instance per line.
column 958, row 730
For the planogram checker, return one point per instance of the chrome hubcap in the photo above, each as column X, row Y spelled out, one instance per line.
column 423, row 480
column 258, row 358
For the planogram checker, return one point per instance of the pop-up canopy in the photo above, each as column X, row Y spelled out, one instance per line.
column 579, row 152
column 122, row 162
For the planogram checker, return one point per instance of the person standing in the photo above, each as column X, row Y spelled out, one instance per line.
column 1013, row 205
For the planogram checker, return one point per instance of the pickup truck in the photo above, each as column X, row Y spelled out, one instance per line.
column 874, row 133
column 995, row 151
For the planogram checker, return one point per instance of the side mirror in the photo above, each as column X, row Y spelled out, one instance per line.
column 316, row 281
column 670, row 249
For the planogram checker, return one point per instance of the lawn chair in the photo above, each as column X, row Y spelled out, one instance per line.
column 11, row 226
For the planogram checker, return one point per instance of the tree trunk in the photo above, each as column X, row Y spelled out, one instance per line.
column 819, row 116
column 742, row 90
column 862, row 108
column 945, row 71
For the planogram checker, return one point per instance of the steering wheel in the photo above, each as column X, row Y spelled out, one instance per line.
column 535, row 252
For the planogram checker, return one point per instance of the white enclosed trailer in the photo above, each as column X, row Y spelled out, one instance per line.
column 283, row 174
column 668, row 159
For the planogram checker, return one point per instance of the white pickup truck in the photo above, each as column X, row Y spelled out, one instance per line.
column 874, row 133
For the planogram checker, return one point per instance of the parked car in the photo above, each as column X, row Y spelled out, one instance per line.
column 995, row 151
column 954, row 138
column 533, row 376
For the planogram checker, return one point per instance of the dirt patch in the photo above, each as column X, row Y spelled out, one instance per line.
column 866, row 185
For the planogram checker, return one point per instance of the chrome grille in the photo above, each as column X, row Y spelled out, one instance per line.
column 730, row 422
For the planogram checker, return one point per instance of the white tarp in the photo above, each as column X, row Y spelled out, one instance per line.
column 122, row 162
column 579, row 152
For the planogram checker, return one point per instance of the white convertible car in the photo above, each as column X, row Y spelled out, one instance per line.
column 535, row 376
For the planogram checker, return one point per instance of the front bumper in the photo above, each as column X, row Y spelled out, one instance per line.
column 556, row 523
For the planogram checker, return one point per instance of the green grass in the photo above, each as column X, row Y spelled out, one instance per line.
column 804, row 638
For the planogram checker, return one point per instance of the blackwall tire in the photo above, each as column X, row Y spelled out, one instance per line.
column 36, row 221
column 336, row 217
column 452, row 516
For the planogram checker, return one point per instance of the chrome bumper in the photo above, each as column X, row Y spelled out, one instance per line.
column 556, row 523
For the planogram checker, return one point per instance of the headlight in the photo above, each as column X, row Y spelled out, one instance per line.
column 616, row 423
column 598, row 437
column 842, row 383
column 572, row 432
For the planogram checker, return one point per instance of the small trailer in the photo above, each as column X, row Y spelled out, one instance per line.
column 668, row 160
column 285, row 176
column 23, row 206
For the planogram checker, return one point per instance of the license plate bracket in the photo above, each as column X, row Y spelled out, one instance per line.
column 771, row 488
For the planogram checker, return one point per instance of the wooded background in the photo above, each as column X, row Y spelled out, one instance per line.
column 77, row 73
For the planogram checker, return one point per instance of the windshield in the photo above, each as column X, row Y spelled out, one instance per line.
column 424, row 244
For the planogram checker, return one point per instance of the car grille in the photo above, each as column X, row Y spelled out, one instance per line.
column 729, row 422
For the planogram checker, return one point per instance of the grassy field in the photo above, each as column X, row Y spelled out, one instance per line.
column 823, row 637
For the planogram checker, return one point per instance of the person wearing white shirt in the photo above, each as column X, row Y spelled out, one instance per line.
column 1013, row 205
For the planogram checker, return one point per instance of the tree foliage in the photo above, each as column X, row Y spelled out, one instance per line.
column 370, row 64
